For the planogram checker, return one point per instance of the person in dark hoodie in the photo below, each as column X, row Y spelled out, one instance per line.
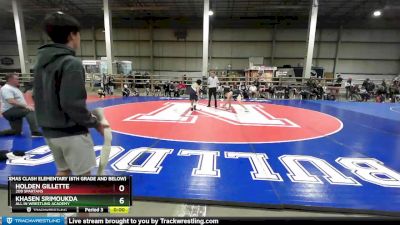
column 60, row 98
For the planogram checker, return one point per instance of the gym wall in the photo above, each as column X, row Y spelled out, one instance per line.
column 361, row 52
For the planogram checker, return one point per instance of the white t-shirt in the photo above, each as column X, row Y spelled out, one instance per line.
column 348, row 84
column 9, row 92
column 195, row 86
column 213, row 82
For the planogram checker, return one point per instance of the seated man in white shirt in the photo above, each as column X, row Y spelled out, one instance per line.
column 14, row 108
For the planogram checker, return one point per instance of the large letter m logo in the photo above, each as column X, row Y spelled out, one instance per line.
column 179, row 112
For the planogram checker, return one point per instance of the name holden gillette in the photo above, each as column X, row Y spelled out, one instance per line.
column 46, row 186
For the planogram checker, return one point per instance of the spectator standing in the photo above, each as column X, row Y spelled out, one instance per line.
column 348, row 85
column 60, row 98
column 171, row 88
column 166, row 89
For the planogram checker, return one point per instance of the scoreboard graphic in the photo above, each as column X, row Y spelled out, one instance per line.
column 86, row 194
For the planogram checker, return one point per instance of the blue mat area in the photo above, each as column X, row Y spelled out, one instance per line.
column 353, row 170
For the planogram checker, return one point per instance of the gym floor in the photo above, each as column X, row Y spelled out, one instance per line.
column 140, row 129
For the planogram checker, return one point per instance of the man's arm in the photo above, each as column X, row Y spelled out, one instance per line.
column 73, row 95
column 14, row 102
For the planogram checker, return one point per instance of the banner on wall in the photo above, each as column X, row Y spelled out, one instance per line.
column 7, row 61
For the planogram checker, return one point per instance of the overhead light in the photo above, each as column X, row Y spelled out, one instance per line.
column 377, row 13
column 59, row 12
column 210, row 13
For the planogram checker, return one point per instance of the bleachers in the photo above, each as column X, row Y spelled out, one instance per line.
column 294, row 84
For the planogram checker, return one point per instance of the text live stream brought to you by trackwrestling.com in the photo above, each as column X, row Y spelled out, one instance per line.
column 180, row 220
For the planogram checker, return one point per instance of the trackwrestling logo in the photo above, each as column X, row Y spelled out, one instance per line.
column 257, row 123
column 32, row 220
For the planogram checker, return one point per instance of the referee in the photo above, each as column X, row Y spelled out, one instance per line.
column 212, row 88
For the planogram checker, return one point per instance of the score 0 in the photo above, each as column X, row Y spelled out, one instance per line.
column 121, row 188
